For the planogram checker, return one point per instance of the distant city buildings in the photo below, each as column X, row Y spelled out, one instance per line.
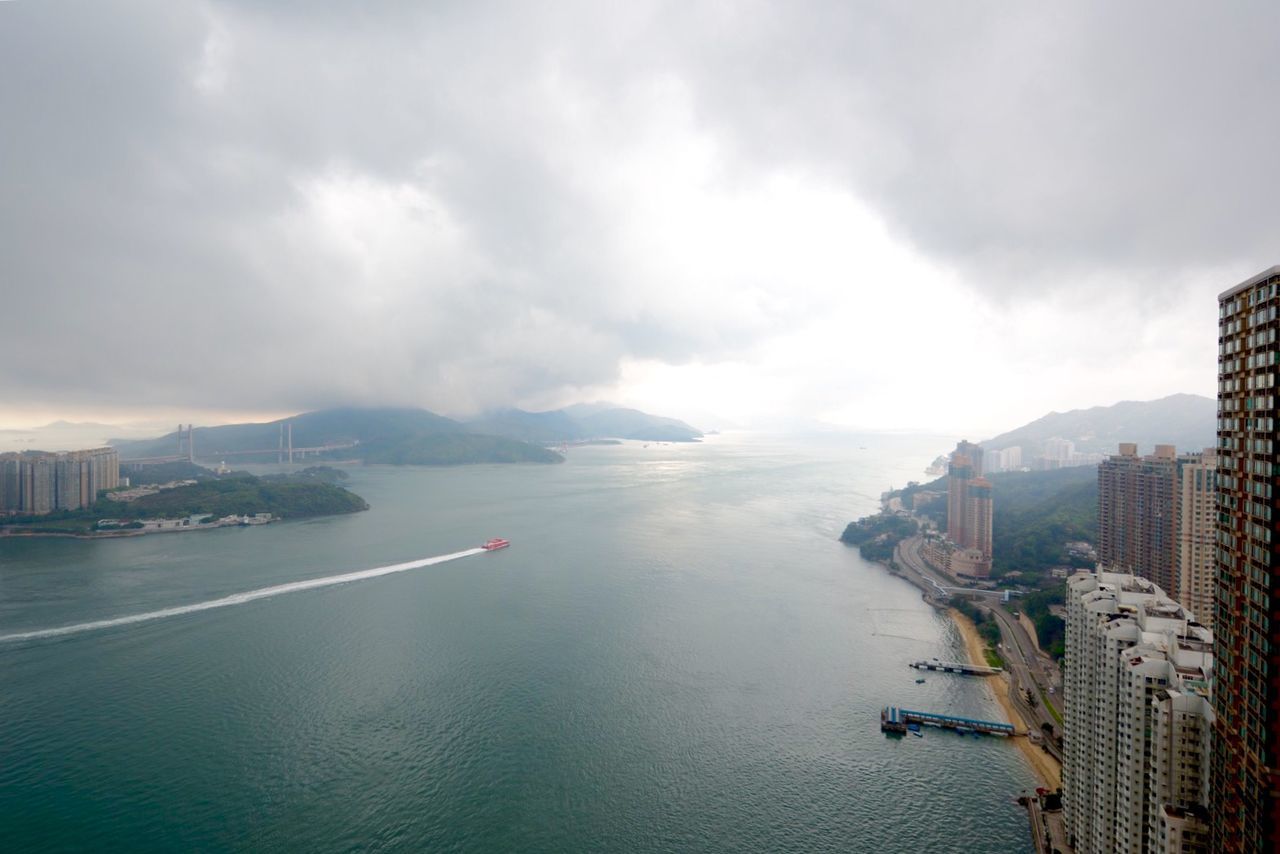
column 35, row 482
column 1138, row 719
column 1246, row 748
column 1006, row 459
column 969, row 512
column 1055, row 453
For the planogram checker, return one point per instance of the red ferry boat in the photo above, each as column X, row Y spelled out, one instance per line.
column 495, row 544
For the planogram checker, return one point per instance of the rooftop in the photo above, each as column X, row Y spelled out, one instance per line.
column 1250, row 282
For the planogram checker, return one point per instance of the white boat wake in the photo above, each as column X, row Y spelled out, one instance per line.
column 235, row 598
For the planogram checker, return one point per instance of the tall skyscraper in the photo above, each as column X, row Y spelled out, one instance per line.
column 1246, row 747
column 975, row 454
column 1137, row 514
column 978, row 512
column 969, row 512
column 959, row 472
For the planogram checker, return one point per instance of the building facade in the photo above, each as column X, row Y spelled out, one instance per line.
column 1246, row 746
column 1197, row 515
column 1138, row 713
column 959, row 472
column 969, row 509
column 35, row 482
column 1137, row 514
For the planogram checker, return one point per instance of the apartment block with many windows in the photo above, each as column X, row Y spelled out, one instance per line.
column 1138, row 711
column 1246, row 747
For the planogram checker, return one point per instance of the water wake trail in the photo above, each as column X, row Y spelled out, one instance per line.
column 235, row 598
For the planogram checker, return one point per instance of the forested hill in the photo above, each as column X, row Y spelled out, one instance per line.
column 418, row 437
column 1184, row 420
column 1034, row 514
column 374, row 435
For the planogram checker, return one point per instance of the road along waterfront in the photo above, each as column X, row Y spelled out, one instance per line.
column 1047, row 768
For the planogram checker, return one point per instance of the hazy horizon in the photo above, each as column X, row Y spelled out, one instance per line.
column 230, row 211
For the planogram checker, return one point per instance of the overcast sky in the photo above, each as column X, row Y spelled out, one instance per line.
column 950, row 216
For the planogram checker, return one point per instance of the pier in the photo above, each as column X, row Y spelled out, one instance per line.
column 897, row 720
column 956, row 667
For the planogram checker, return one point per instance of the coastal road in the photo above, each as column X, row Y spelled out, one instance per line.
column 1027, row 668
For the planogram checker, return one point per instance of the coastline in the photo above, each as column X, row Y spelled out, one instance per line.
column 1044, row 765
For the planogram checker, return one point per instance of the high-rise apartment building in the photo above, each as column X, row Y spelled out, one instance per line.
column 1246, row 747
column 975, row 454
column 1197, row 514
column 1138, row 716
column 1137, row 514
column 969, row 511
column 35, row 482
column 978, row 515
column 959, row 473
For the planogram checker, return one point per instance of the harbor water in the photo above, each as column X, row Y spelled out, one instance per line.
column 675, row 654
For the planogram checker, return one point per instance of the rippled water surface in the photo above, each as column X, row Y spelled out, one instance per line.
column 675, row 655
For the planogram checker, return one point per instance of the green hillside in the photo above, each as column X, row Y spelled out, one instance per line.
column 1034, row 514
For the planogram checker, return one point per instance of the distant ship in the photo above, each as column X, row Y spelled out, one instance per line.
column 495, row 544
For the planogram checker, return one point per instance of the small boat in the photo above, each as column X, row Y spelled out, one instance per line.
column 917, row 733
column 920, row 681
column 495, row 544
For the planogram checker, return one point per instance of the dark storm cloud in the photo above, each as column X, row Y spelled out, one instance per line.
column 290, row 205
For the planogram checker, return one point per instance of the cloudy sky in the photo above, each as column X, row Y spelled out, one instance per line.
column 954, row 216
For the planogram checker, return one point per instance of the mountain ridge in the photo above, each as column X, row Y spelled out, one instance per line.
column 1184, row 420
column 415, row 436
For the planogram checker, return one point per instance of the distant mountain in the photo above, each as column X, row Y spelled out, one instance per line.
column 392, row 435
column 634, row 424
column 544, row 427
column 60, row 436
column 1185, row 420
column 583, row 421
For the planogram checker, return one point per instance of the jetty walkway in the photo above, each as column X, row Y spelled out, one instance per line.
column 897, row 720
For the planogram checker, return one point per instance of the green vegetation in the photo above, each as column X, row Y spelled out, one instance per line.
column 318, row 474
column 239, row 494
column 142, row 475
column 1050, row 630
column 988, row 629
column 1036, row 514
column 1053, row 710
column 877, row 536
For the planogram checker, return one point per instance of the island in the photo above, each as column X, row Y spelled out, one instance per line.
column 201, row 502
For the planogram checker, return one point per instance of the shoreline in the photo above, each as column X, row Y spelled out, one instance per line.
column 1043, row 764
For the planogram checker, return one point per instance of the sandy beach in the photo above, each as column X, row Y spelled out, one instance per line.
column 1045, row 766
